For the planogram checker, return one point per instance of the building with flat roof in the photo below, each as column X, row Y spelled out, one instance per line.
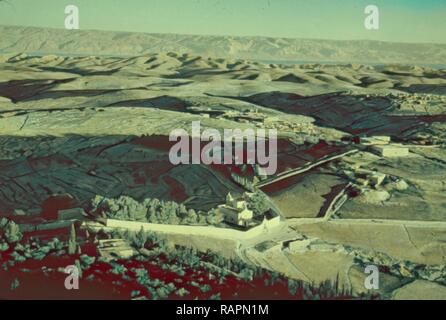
column 391, row 150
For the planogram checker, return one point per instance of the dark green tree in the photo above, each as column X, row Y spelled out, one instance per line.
column 72, row 241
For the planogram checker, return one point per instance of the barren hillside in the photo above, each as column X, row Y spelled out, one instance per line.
column 59, row 41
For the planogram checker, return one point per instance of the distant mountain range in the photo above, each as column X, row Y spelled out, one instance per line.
column 92, row 42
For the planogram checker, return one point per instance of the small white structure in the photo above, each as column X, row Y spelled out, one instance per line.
column 236, row 212
column 392, row 151
column 115, row 249
column 377, row 178
column 367, row 177
column 375, row 140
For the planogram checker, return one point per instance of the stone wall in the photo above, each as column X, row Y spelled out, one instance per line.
column 207, row 231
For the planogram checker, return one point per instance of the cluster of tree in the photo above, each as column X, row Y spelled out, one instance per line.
column 157, row 288
column 325, row 290
column 258, row 202
column 153, row 211
column 192, row 258
column 182, row 258
column 245, row 182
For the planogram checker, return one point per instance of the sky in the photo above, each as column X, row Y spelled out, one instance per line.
column 400, row 20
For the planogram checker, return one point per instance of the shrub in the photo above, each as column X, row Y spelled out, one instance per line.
column 152, row 211
column 139, row 239
column 11, row 231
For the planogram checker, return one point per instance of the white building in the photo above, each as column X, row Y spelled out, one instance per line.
column 375, row 140
column 392, row 151
column 236, row 212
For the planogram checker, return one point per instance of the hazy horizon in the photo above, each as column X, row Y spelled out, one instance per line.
column 222, row 35
column 400, row 21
